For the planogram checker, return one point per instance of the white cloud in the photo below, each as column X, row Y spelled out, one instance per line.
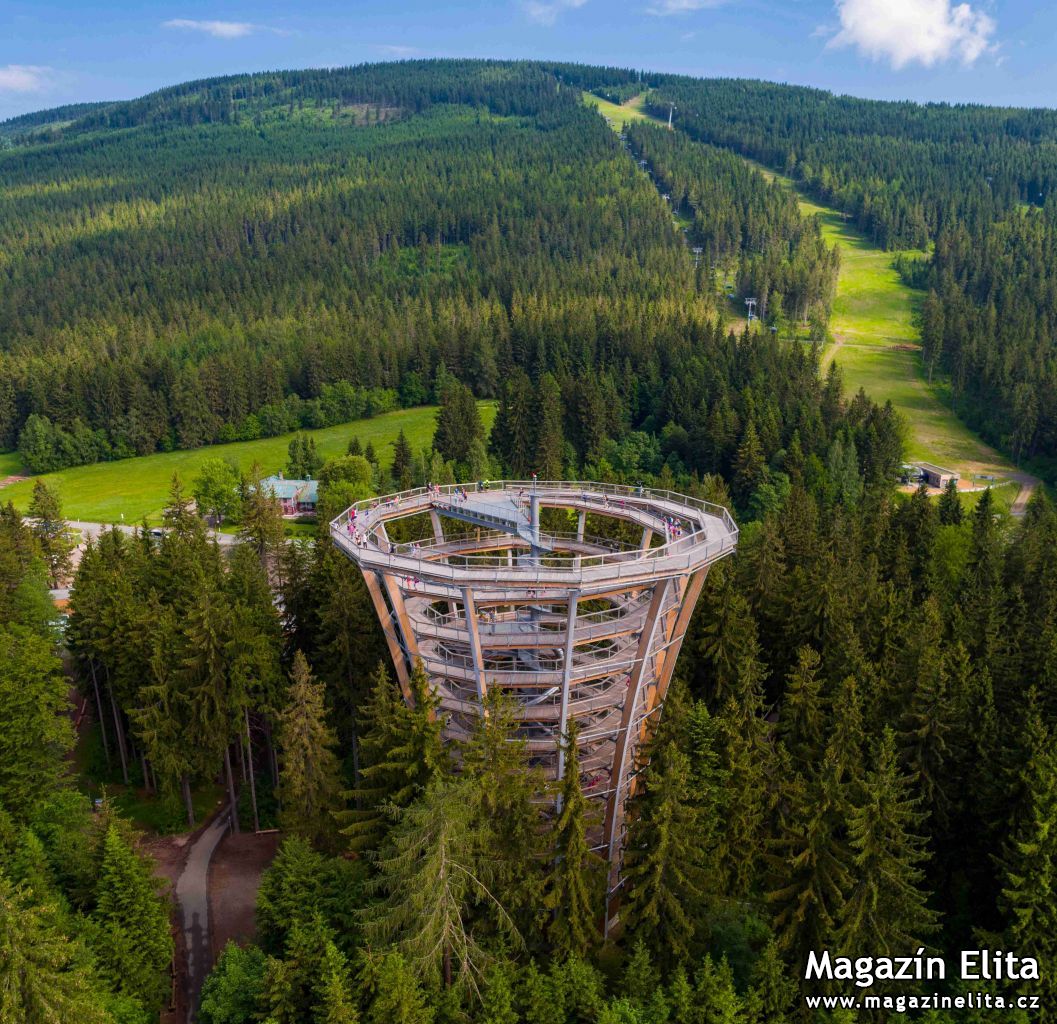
column 914, row 31
column 396, row 50
column 663, row 8
column 545, row 12
column 24, row 78
column 217, row 29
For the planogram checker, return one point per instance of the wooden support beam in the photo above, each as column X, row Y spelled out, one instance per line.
column 470, row 610
column 407, row 633
column 375, row 582
column 691, row 592
column 567, row 671
column 438, row 530
column 639, row 673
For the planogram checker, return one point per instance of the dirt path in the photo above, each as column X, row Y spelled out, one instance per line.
column 234, row 878
column 169, row 854
column 1020, row 504
column 830, row 352
column 192, row 897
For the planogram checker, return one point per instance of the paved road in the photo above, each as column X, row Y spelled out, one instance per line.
column 93, row 530
column 192, row 895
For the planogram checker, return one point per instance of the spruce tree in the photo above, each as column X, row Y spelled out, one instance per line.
column 312, row 981
column 262, row 518
column 729, row 632
column 49, row 527
column 750, row 468
column 950, row 508
column 403, row 461
column 335, row 1003
column 810, row 864
column 639, row 978
column 980, row 601
column 801, row 722
column 28, row 867
column 458, row 423
column 390, row 991
column 343, row 630
column 35, row 730
column 304, row 462
column 233, row 989
column 402, row 752
column 497, row 1001
column 886, row 908
column 664, row 875
column 514, row 433
column 925, row 724
column 550, row 435
column 45, row 977
column 772, row 993
column 1029, row 867
column 574, row 881
column 178, row 514
column 165, row 718
column 137, row 945
column 746, row 762
column 539, row 999
column 432, row 870
column 216, row 700
column 715, row 997
column 680, row 996
column 310, row 773
column 504, row 791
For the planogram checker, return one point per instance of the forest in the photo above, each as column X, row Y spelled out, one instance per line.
column 859, row 750
column 972, row 184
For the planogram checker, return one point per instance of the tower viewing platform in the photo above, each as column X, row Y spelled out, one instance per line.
column 572, row 597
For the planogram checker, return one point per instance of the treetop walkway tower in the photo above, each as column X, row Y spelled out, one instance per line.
column 582, row 620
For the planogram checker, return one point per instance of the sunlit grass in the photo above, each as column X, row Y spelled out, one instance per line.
column 134, row 489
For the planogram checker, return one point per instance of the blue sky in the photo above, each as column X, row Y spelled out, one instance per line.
column 988, row 51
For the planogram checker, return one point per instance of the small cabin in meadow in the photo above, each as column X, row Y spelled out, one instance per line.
column 297, row 497
column 937, row 476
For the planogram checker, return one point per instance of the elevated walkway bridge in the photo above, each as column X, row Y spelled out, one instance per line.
column 572, row 597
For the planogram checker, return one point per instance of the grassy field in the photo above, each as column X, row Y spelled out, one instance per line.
column 877, row 346
column 620, row 113
column 872, row 306
column 137, row 488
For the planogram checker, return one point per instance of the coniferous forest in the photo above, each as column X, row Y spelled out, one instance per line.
column 859, row 750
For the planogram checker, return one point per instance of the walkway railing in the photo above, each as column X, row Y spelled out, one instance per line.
column 712, row 535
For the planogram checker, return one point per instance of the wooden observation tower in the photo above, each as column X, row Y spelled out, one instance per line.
column 572, row 597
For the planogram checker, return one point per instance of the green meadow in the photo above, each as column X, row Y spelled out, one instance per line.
column 133, row 489
column 876, row 344
column 620, row 113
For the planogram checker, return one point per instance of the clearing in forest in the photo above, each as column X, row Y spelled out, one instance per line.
column 139, row 488
column 877, row 345
column 619, row 114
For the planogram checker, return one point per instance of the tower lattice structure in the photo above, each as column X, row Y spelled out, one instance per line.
column 573, row 598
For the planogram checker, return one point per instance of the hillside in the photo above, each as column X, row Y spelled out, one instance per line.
column 501, row 751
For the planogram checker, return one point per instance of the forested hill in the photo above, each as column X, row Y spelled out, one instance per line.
column 977, row 182
column 42, row 125
column 201, row 263
column 246, row 256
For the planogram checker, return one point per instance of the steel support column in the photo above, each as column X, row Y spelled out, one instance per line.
column 469, row 608
column 567, row 671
